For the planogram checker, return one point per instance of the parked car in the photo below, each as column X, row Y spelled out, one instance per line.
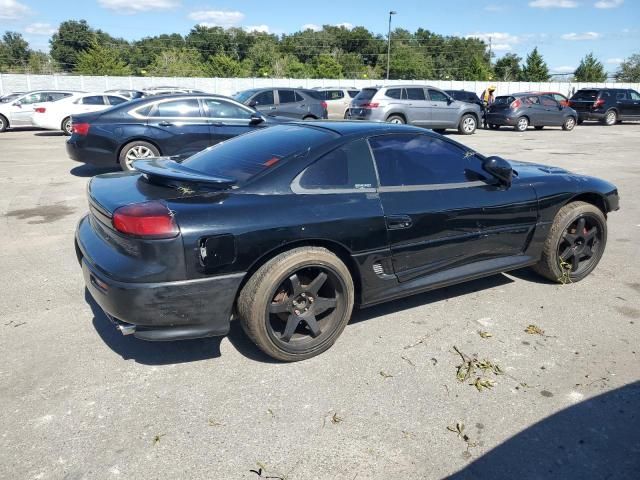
column 257, row 226
column 606, row 105
column 57, row 115
column 175, row 125
column 130, row 94
column 558, row 97
column 338, row 100
column 295, row 103
column 168, row 90
column 18, row 112
column 521, row 110
column 464, row 96
column 416, row 105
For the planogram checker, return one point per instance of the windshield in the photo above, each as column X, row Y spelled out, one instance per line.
column 9, row 97
column 366, row 94
column 244, row 95
column 245, row 156
column 589, row 95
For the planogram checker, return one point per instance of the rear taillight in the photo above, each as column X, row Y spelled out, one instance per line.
column 80, row 128
column 324, row 105
column 39, row 109
column 598, row 103
column 370, row 105
column 515, row 104
column 148, row 220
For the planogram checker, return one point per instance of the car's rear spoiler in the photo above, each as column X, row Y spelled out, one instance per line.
column 168, row 172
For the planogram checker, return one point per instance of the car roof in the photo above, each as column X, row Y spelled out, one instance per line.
column 349, row 127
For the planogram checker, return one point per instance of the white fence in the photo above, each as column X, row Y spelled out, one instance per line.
column 227, row 86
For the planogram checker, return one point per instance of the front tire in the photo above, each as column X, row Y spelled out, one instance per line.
column 297, row 304
column 4, row 124
column 569, row 124
column 575, row 243
column 522, row 124
column 467, row 125
column 136, row 151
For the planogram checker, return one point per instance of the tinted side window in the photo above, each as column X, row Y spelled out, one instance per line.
column 559, row 98
column 394, row 93
column 115, row 100
column 349, row 166
column 93, row 100
column 287, row 96
column 33, row 98
column 178, row 108
column 634, row 95
column 334, row 95
column 548, row 101
column 264, row 98
column 353, row 93
column 421, row 160
column 415, row 93
column 621, row 95
column 437, row 96
column 223, row 109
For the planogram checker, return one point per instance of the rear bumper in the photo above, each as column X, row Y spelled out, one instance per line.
column 173, row 310
column 500, row 119
column 93, row 156
column 590, row 116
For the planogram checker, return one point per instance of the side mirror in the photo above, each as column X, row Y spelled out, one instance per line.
column 450, row 100
column 17, row 103
column 256, row 119
column 499, row 168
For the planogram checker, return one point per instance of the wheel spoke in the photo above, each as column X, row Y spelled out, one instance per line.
column 580, row 227
column 313, row 325
column 570, row 238
column 566, row 254
column 278, row 307
column 322, row 304
column 575, row 263
column 292, row 323
column 587, row 252
column 295, row 284
column 317, row 283
column 591, row 234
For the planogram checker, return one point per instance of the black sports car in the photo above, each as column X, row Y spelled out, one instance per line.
column 288, row 227
column 171, row 125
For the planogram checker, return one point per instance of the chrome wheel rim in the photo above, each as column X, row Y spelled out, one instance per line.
column 67, row 127
column 136, row 153
column 570, row 123
column 611, row 118
column 469, row 125
column 523, row 124
column 396, row 120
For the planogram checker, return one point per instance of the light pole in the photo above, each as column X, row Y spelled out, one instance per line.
column 392, row 12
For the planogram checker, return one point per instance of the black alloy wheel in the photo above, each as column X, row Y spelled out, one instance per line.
column 579, row 245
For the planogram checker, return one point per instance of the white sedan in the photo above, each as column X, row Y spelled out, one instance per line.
column 57, row 115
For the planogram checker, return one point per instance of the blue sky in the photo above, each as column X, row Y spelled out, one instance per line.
column 564, row 30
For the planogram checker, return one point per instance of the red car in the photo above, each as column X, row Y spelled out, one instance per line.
column 558, row 97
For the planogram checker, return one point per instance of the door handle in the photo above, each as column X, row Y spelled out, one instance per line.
column 397, row 222
column 164, row 123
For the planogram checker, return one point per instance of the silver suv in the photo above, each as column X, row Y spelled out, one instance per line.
column 422, row 106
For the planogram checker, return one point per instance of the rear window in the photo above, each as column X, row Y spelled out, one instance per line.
column 366, row 94
column 503, row 100
column 247, row 155
column 586, row 95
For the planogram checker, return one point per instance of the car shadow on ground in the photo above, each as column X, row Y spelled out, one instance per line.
column 595, row 439
column 85, row 170
column 151, row 353
column 49, row 133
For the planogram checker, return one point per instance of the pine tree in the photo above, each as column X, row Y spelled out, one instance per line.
column 629, row 70
column 100, row 60
column 535, row 69
column 590, row 70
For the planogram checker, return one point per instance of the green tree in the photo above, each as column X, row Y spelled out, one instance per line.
column 326, row 66
column 177, row 62
column 41, row 63
column 507, row 68
column 629, row 70
column 223, row 66
column 263, row 57
column 590, row 70
column 72, row 38
column 101, row 60
column 15, row 50
column 535, row 69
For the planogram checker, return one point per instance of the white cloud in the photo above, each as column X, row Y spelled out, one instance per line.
column 12, row 10
column 257, row 28
column 346, row 25
column 614, row 61
column 500, row 41
column 608, row 3
column 129, row 7
column 581, row 36
column 217, row 18
column 40, row 29
column 563, row 69
column 553, row 4
column 311, row 26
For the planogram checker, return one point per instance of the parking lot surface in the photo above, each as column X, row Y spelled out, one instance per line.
column 81, row 401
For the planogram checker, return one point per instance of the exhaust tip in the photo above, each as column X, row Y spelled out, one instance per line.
column 127, row 329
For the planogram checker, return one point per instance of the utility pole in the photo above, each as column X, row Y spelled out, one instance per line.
column 392, row 12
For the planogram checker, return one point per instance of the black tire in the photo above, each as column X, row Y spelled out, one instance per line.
column 125, row 158
column 399, row 119
column 610, row 118
column 270, row 305
column 569, row 124
column 569, row 238
column 539, row 127
column 309, row 117
column 65, row 126
column 468, row 124
column 521, row 124
column 440, row 130
column 4, row 123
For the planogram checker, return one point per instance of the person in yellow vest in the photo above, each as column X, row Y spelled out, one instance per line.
column 487, row 98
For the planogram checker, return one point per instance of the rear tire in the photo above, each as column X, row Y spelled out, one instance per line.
column 135, row 151
column 4, row 123
column 610, row 118
column 297, row 304
column 569, row 124
column 577, row 225
column 66, row 126
column 522, row 124
column 309, row 117
column 468, row 124
column 396, row 119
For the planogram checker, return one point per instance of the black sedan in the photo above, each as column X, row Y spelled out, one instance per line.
column 171, row 125
column 522, row 110
column 289, row 227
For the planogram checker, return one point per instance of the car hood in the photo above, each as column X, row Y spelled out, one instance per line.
column 527, row 169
